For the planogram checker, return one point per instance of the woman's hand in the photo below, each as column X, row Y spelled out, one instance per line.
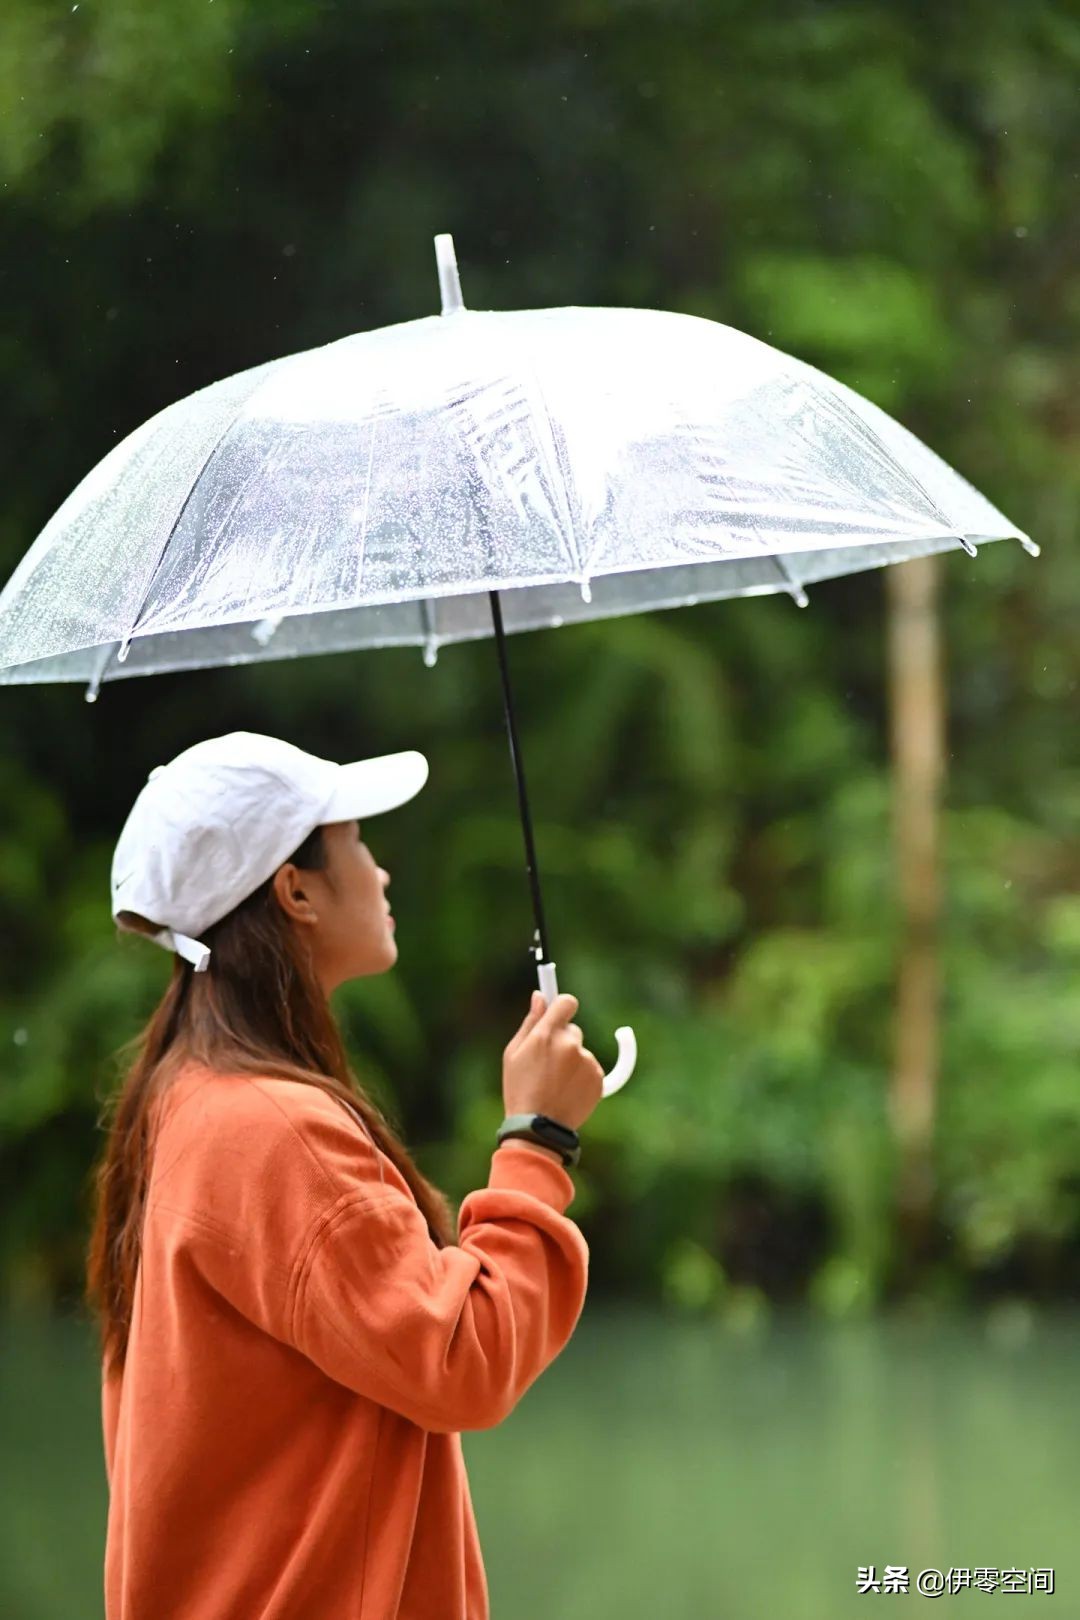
column 546, row 1067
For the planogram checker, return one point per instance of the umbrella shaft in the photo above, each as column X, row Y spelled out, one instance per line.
column 519, row 775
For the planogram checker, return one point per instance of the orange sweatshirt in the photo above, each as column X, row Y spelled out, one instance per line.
column 284, row 1440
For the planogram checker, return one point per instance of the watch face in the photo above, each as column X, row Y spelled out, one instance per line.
column 552, row 1128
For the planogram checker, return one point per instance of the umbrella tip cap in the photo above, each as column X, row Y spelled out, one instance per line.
column 449, row 281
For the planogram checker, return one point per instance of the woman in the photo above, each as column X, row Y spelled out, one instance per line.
column 292, row 1341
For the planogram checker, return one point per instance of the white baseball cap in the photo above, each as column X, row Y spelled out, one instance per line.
column 221, row 817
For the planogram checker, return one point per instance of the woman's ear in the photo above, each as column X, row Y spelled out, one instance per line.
column 292, row 895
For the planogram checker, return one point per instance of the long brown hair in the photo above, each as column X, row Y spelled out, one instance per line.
column 259, row 1009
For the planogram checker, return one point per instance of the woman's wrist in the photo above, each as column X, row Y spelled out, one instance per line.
column 540, row 1130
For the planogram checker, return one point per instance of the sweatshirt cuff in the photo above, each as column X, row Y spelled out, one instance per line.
column 515, row 1164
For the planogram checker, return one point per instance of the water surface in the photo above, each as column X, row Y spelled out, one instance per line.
column 667, row 1468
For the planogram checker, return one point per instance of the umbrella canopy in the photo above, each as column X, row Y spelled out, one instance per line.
column 474, row 474
column 582, row 462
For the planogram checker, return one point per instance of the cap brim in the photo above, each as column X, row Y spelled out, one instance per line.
column 368, row 787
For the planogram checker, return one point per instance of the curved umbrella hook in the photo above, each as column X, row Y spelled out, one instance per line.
column 624, row 1035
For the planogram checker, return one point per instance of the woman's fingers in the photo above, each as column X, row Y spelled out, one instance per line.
column 560, row 1012
column 537, row 1008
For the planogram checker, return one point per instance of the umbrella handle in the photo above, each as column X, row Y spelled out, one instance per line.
column 625, row 1037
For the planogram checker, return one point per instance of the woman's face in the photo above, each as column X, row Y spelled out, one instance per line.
column 342, row 911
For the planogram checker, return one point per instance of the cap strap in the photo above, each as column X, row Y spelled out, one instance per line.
column 192, row 950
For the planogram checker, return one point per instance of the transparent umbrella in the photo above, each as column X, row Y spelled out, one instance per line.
column 473, row 474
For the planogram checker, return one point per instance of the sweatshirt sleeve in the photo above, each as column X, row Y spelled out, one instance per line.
column 449, row 1338
column 289, row 1211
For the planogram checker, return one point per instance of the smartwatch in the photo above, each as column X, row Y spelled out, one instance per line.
column 548, row 1132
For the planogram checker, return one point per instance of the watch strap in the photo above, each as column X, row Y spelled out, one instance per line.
column 546, row 1131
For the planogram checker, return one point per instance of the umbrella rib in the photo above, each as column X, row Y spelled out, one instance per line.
column 863, row 427
column 367, row 497
column 796, row 588
column 121, row 656
column 557, row 481
column 791, row 584
column 98, row 675
column 427, row 622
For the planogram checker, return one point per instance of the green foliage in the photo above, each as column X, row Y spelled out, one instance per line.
column 879, row 320
column 98, row 91
column 889, row 193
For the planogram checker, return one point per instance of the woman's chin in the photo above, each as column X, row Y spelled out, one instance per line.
column 376, row 960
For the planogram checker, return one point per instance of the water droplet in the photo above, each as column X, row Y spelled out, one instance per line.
column 21, row 1036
